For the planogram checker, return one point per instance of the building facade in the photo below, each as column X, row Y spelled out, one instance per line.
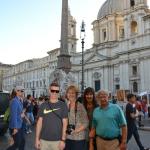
column 118, row 59
column 3, row 69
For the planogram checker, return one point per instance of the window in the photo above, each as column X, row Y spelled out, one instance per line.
column 72, row 31
column 134, row 70
column 97, row 85
column 44, row 83
column 24, row 85
column 33, row 93
column 33, row 84
column 37, row 83
column 134, row 28
column 121, row 32
column 117, row 86
column 104, row 34
column 72, row 46
column 135, row 87
column 40, row 83
column 132, row 3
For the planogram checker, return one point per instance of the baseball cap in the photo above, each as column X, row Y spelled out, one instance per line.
column 19, row 88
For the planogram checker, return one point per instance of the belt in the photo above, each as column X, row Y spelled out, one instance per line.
column 107, row 139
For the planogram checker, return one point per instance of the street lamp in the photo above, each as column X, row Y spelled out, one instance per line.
column 82, row 37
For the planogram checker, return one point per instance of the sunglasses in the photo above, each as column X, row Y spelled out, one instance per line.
column 20, row 91
column 54, row 91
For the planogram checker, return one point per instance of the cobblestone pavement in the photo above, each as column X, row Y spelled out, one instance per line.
column 29, row 141
column 144, row 135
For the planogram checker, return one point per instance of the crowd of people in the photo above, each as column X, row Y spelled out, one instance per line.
column 73, row 123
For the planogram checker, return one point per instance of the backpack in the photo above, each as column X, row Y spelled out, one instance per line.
column 7, row 115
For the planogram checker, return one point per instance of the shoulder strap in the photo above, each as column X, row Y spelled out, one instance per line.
column 55, row 113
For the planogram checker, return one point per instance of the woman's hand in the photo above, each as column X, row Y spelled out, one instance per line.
column 79, row 129
column 15, row 131
column 61, row 145
column 92, row 133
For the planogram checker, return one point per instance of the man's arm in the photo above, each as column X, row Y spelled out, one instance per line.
column 38, row 132
column 64, row 128
column 134, row 115
column 131, row 111
column 123, row 138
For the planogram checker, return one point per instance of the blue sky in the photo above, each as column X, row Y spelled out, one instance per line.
column 31, row 28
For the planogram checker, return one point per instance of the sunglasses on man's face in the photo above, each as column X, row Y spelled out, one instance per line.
column 54, row 91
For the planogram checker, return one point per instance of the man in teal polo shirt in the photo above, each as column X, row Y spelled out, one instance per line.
column 109, row 125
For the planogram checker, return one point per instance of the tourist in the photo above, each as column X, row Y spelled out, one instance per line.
column 131, row 115
column 90, row 104
column 52, row 122
column 29, row 112
column 16, row 120
column 77, row 121
column 109, row 124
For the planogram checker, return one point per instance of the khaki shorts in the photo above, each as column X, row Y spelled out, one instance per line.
column 49, row 145
column 107, row 144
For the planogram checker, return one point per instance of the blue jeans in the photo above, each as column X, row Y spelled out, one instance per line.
column 31, row 118
column 19, row 140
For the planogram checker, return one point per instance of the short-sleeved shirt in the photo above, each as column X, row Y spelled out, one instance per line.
column 52, row 114
column 108, row 121
column 130, row 109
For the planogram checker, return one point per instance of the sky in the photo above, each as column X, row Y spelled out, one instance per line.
column 31, row 28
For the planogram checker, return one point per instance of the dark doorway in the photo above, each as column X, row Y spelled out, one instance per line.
column 97, row 85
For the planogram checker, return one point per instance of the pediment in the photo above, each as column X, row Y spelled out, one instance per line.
column 96, row 57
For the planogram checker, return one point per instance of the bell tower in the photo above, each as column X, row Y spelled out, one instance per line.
column 135, row 4
column 134, row 10
column 72, row 40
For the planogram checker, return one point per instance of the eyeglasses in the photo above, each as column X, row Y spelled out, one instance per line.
column 54, row 91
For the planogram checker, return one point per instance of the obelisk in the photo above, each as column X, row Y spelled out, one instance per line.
column 64, row 57
column 62, row 74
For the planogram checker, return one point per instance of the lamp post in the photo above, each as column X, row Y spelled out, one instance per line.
column 82, row 37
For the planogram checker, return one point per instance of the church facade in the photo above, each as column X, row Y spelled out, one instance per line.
column 120, row 56
column 118, row 59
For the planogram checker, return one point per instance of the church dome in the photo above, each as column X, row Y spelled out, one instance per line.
column 110, row 7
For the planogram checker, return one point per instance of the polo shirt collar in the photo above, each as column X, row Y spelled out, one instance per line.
column 107, row 107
